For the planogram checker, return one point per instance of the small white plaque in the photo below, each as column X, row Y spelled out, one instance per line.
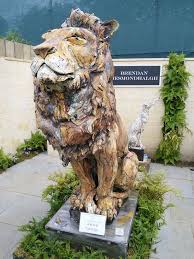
column 92, row 223
column 119, row 231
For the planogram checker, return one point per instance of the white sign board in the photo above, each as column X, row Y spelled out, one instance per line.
column 92, row 223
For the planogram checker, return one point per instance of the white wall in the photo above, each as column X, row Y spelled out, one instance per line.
column 130, row 100
column 17, row 118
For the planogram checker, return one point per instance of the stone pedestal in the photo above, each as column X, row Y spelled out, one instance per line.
column 115, row 241
column 139, row 152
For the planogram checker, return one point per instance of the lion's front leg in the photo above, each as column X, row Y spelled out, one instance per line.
column 107, row 166
column 83, row 198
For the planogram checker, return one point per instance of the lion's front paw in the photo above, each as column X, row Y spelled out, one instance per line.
column 77, row 201
column 107, row 206
column 84, row 201
column 90, row 205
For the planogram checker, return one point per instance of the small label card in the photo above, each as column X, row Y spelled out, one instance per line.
column 119, row 231
column 92, row 223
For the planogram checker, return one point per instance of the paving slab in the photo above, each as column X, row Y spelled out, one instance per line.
column 30, row 176
column 21, row 187
column 183, row 210
column 24, row 209
column 175, row 241
column 183, row 173
column 176, row 238
column 184, row 186
column 7, row 199
column 9, row 238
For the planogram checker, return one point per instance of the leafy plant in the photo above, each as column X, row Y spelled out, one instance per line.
column 150, row 214
column 31, row 147
column 35, row 144
column 15, row 36
column 174, row 95
column 55, row 194
column 149, row 219
column 6, row 160
column 37, row 243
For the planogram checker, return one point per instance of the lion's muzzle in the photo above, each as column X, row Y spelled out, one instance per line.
column 48, row 72
column 49, row 67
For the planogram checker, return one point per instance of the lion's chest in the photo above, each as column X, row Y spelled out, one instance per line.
column 65, row 106
column 71, row 112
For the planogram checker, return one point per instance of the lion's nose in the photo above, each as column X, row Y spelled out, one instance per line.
column 42, row 49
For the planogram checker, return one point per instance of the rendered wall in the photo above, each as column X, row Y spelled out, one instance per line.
column 17, row 118
column 130, row 99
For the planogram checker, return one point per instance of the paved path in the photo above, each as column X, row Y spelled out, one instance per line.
column 20, row 200
column 176, row 239
column 20, row 197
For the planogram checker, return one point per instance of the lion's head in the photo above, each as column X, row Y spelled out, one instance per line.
column 73, row 74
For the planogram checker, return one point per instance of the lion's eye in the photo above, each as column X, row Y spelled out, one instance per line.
column 52, row 50
column 77, row 40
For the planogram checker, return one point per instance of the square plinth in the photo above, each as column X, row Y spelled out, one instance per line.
column 115, row 241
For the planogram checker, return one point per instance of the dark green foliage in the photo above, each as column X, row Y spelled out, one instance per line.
column 15, row 36
column 6, row 160
column 149, row 219
column 60, row 191
column 40, row 246
column 36, row 244
column 150, row 215
column 174, row 95
column 32, row 146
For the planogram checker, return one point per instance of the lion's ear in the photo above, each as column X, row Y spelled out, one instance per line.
column 109, row 28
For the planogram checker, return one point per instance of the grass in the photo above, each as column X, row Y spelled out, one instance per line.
column 148, row 221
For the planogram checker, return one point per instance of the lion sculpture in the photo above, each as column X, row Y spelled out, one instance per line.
column 76, row 110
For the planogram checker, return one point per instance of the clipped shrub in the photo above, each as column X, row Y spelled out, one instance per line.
column 174, row 94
